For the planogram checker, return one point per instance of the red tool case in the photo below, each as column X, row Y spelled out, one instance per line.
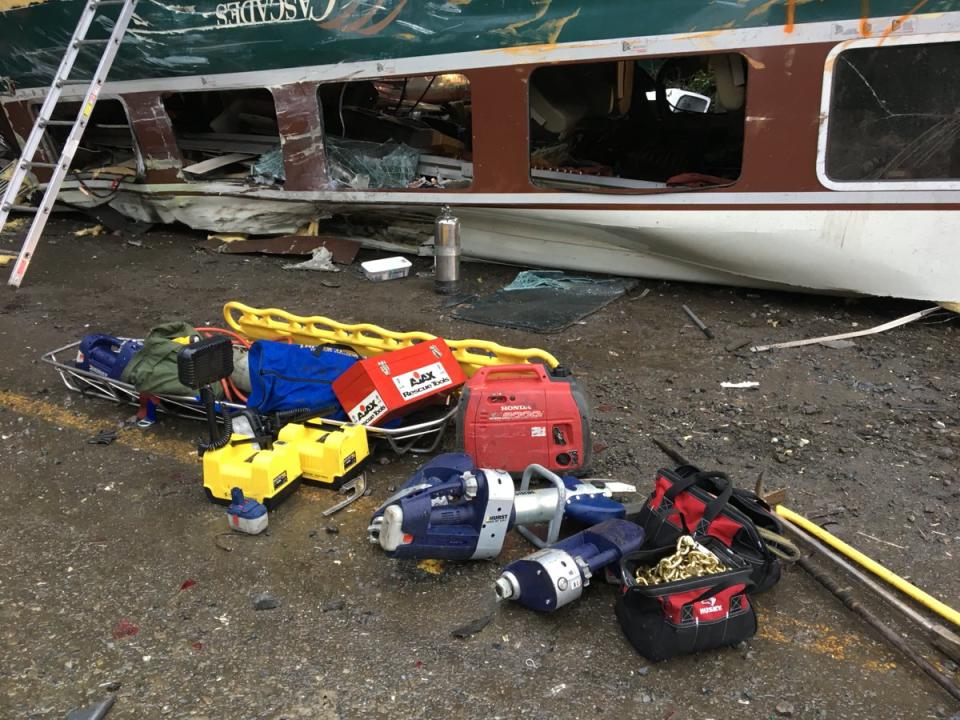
column 514, row 415
column 388, row 386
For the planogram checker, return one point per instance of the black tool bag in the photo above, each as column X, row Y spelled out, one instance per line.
column 685, row 616
column 705, row 504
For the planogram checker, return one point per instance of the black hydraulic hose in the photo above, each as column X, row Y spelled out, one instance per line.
column 220, row 441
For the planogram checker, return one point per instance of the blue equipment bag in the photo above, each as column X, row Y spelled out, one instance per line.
column 293, row 377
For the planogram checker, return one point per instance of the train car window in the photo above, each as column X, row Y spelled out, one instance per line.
column 638, row 125
column 408, row 132
column 228, row 135
column 895, row 114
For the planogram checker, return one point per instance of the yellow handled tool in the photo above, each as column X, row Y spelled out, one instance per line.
column 898, row 582
column 368, row 340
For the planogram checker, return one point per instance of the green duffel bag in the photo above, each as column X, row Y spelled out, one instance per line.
column 153, row 370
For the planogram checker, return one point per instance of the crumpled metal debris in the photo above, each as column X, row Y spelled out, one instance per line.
column 322, row 259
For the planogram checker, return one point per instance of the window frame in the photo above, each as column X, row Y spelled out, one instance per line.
column 826, row 98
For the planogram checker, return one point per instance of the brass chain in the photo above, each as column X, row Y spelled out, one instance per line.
column 688, row 561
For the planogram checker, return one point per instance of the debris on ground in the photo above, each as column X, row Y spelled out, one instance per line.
column 104, row 437
column 545, row 301
column 98, row 711
column 899, row 322
column 321, row 259
column 92, row 231
column 698, row 322
column 265, row 601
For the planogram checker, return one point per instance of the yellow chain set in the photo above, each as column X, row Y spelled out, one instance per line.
column 366, row 339
column 688, row 561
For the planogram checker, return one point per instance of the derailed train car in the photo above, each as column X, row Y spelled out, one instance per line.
column 773, row 143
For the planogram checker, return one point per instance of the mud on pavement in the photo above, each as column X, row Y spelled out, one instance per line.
column 116, row 575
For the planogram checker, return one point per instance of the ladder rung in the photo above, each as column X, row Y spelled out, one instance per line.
column 32, row 163
column 91, row 41
column 101, row 3
column 6, row 207
column 51, row 123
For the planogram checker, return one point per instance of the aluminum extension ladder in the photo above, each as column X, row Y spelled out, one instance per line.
column 77, row 126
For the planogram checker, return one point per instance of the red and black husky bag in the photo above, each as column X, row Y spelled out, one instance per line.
column 705, row 504
column 685, row 616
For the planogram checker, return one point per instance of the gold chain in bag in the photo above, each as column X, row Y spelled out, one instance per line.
column 688, row 561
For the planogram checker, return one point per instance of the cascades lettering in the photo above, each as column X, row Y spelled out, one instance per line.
column 257, row 12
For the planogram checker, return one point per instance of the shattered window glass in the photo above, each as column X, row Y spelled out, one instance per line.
column 895, row 114
column 407, row 132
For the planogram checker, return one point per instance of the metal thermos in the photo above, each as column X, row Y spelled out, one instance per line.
column 446, row 253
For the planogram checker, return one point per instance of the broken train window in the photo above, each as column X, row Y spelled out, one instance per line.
column 227, row 135
column 638, row 124
column 412, row 132
column 895, row 114
column 107, row 149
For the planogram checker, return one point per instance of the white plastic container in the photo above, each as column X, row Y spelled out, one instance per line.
column 386, row 268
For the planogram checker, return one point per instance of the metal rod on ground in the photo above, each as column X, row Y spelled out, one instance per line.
column 670, row 452
column 888, row 634
column 950, row 641
column 873, row 566
column 698, row 322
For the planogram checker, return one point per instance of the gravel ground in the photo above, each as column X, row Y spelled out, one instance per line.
column 117, row 575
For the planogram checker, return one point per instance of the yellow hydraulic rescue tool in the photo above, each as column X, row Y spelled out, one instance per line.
column 328, row 455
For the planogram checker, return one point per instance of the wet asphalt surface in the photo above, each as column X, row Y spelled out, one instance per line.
column 117, row 575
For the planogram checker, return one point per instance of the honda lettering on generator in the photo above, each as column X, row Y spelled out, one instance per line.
column 512, row 416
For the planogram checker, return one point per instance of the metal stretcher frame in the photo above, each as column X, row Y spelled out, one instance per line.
column 419, row 438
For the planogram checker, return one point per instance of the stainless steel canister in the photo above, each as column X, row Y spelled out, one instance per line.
column 446, row 253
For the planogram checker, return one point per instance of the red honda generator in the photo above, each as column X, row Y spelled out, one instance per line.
column 514, row 415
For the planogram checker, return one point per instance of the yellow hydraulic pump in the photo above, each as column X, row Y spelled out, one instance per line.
column 265, row 475
column 329, row 454
column 326, row 454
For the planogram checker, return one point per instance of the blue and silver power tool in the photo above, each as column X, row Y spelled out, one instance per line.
column 555, row 576
column 452, row 510
column 106, row 355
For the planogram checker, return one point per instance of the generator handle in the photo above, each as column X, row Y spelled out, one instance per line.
column 553, row 529
column 524, row 368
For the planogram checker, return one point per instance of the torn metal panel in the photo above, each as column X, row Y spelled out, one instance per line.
column 224, row 214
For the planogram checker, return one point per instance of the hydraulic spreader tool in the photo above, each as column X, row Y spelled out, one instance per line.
column 452, row 510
